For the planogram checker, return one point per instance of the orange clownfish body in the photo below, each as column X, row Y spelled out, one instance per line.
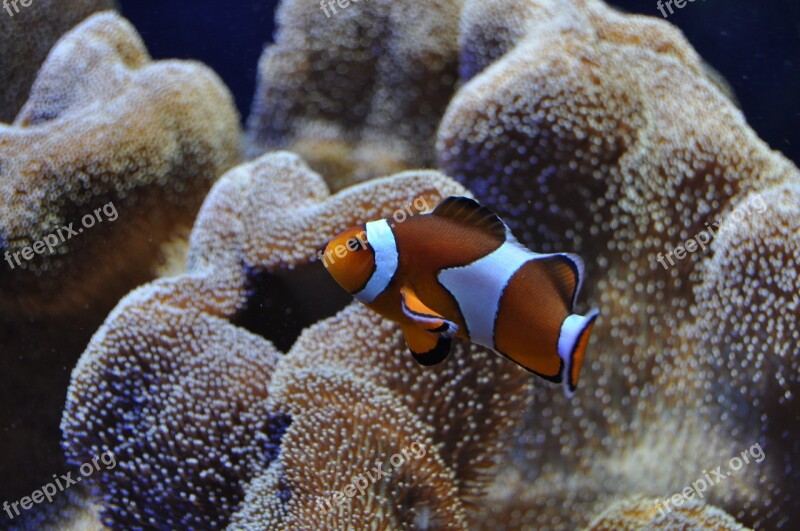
column 458, row 272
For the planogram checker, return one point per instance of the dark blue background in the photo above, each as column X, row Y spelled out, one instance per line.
column 755, row 45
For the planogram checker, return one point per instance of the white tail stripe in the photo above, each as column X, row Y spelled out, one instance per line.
column 571, row 330
column 570, row 333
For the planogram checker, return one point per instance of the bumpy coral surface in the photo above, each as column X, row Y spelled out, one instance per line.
column 746, row 383
column 103, row 124
column 130, row 143
column 344, row 427
column 180, row 400
column 603, row 133
column 459, row 412
column 69, row 511
column 589, row 131
column 358, row 93
column 188, row 399
column 642, row 514
column 26, row 36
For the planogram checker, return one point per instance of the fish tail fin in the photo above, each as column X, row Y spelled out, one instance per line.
column 572, row 343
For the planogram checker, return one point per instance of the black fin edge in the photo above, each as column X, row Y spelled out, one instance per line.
column 557, row 379
column 591, row 318
column 436, row 355
column 481, row 216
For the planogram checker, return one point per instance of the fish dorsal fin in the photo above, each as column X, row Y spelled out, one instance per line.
column 469, row 212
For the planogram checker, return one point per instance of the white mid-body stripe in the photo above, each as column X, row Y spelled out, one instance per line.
column 478, row 287
column 381, row 238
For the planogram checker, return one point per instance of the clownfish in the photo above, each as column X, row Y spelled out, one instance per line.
column 457, row 271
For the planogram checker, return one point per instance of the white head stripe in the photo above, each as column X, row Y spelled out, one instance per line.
column 478, row 287
column 381, row 238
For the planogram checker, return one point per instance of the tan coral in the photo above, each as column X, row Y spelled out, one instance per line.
column 179, row 398
column 253, row 263
column 104, row 124
column 514, row 503
column 603, row 133
column 460, row 399
column 352, row 431
column 71, row 510
column 746, row 325
column 26, row 38
column 642, row 514
column 591, row 131
column 358, row 94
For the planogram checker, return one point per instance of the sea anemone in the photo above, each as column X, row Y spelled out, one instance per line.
column 603, row 133
column 107, row 161
column 173, row 374
column 25, row 40
column 104, row 126
column 359, row 94
column 588, row 130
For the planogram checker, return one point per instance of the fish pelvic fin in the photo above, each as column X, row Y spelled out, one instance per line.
column 572, row 343
column 427, row 348
column 424, row 317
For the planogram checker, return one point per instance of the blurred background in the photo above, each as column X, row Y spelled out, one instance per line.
column 754, row 45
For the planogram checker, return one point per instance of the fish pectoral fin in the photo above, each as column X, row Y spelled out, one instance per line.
column 424, row 317
column 427, row 348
